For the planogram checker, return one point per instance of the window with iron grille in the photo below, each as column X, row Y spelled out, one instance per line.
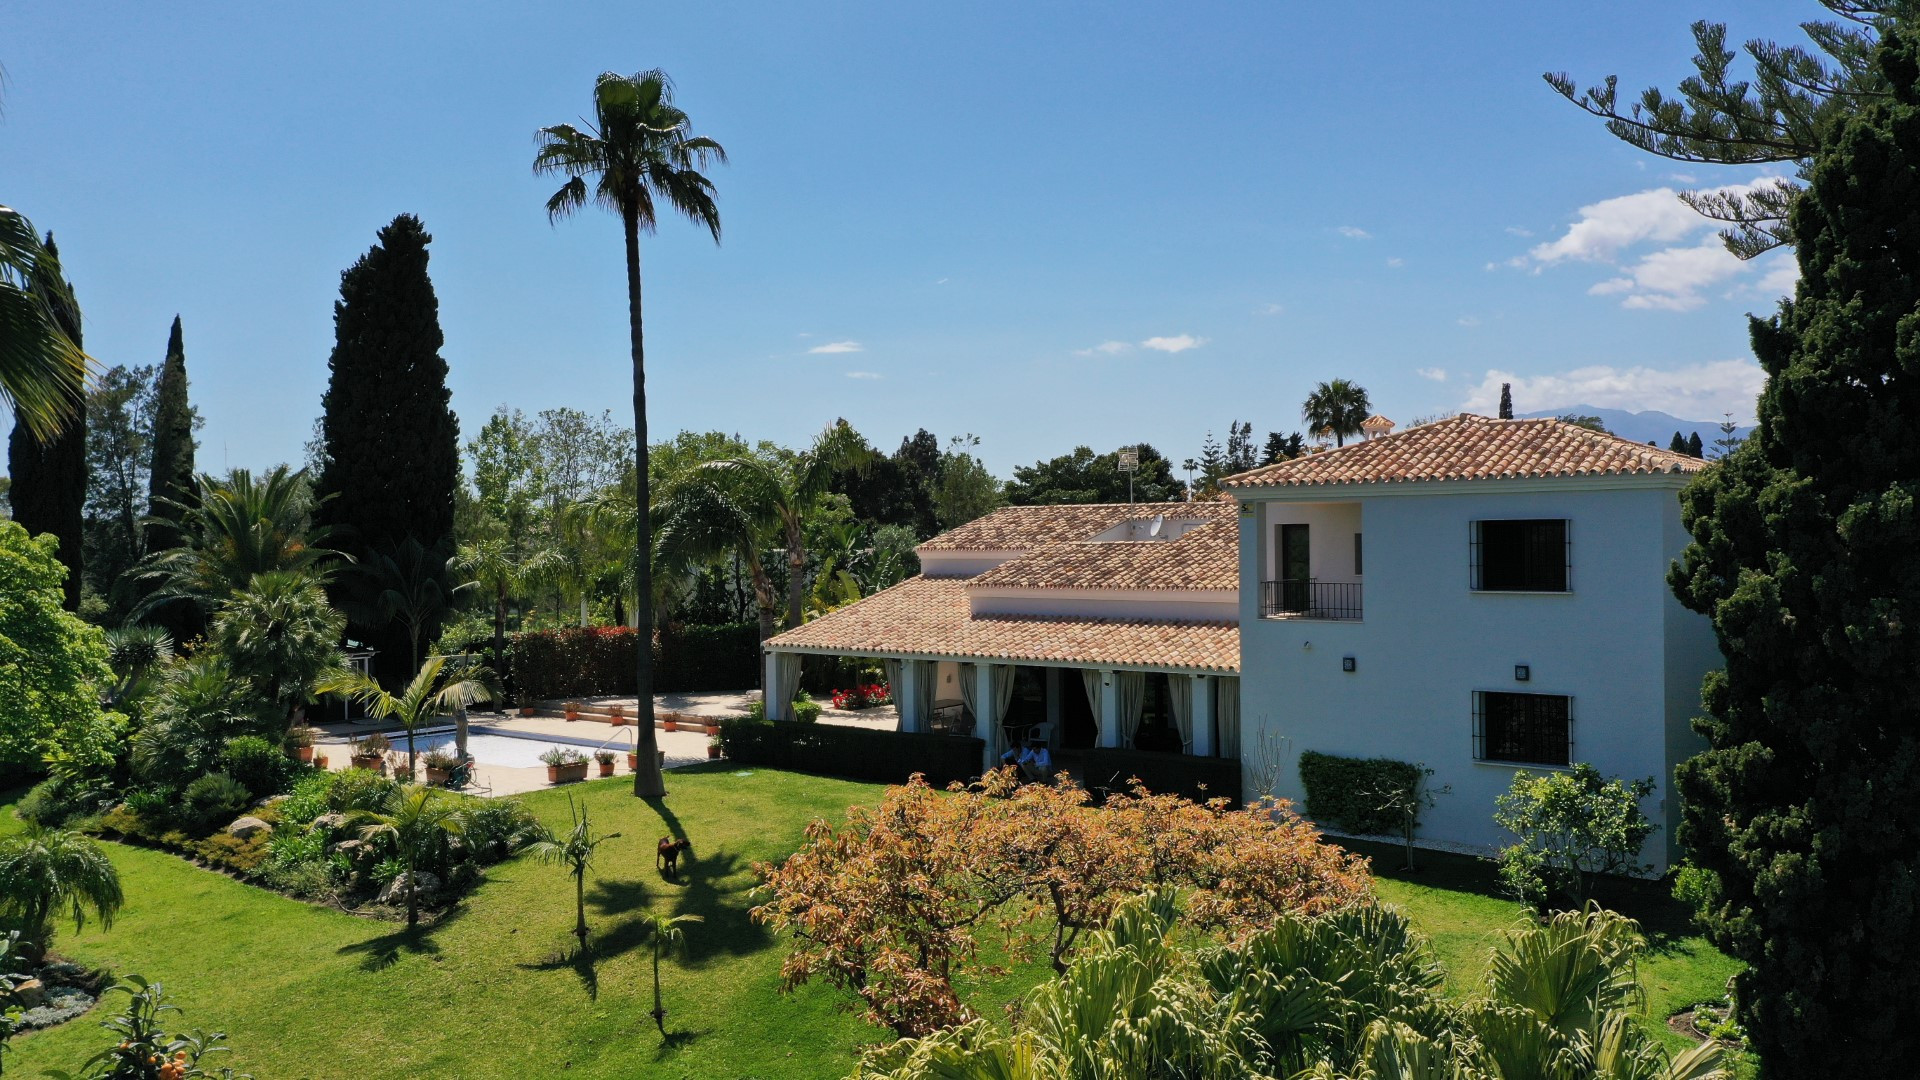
column 1521, row 556
column 1531, row 729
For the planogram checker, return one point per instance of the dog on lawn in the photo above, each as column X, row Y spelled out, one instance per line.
column 667, row 856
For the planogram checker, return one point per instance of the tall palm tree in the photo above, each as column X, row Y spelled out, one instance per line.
column 43, row 372
column 44, row 870
column 500, row 566
column 665, row 933
column 238, row 527
column 575, row 852
column 414, row 821
column 1336, row 408
column 435, row 689
column 640, row 150
column 788, row 490
column 704, row 518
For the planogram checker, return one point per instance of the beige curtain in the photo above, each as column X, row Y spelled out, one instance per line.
column 967, row 681
column 1090, row 678
column 1132, row 686
column 926, row 683
column 1002, row 676
column 786, row 683
column 1180, row 700
column 1226, row 712
column 892, row 667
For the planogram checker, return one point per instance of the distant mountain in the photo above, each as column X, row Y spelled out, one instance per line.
column 1650, row 426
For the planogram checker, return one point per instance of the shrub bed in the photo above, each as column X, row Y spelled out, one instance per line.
column 1346, row 793
column 1196, row 778
column 856, row 753
column 585, row 661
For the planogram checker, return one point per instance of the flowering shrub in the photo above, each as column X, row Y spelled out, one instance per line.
column 861, row 697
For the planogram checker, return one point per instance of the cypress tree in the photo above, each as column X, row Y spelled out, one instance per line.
column 1679, row 443
column 1506, row 401
column 1805, row 812
column 392, row 443
column 48, row 493
column 171, row 475
column 1695, row 447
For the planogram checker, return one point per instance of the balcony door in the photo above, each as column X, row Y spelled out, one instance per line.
column 1296, row 568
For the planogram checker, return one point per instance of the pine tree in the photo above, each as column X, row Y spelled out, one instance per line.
column 1679, row 443
column 49, row 479
column 1506, row 401
column 1694, row 446
column 170, row 480
column 1805, row 812
column 392, row 444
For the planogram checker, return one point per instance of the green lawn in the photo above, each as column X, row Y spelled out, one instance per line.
column 305, row 991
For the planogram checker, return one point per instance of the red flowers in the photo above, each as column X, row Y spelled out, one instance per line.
column 861, row 697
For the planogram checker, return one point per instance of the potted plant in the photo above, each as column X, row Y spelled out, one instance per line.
column 633, row 760
column 713, row 726
column 370, row 752
column 440, row 765
column 320, row 762
column 527, row 710
column 618, row 713
column 564, row 765
column 573, row 711
column 401, row 764
column 605, row 758
column 713, row 749
column 671, row 721
column 300, row 743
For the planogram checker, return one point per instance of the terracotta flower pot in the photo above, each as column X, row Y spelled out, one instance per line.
column 526, row 710
column 712, row 729
column 320, row 762
column 566, row 774
column 606, row 768
column 303, row 753
column 438, row 777
column 671, row 721
column 573, row 712
column 713, row 752
column 373, row 762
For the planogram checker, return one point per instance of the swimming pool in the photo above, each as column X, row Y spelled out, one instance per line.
column 493, row 748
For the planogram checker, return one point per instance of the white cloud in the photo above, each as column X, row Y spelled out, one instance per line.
column 1178, row 343
column 1694, row 391
column 1396, row 262
column 1611, row 225
column 1268, row 309
column 1108, row 348
column 1354, row 232
column 1683, row 178
column 1468, row 321
column 838, row 347
column 862, row 375
column 1435, row 373
column 1515, row 230
column 942, row 281
column 1781, row 277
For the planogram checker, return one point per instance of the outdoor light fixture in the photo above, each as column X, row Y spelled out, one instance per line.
column 1522, row 672
column 1347, row 663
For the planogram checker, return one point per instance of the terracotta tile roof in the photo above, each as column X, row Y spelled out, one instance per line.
column 1470, row 447
column 1207, row 557
column 931, row 617
column 1022, row 528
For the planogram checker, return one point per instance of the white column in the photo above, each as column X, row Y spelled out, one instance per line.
column 1202, row 715
column 984, row 713
column 776, row 709
column 1109, row 710
column 906, row 697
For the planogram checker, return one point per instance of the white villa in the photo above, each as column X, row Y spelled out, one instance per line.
column 1477, row 595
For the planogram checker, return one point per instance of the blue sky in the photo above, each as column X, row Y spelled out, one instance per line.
column 1045, row 224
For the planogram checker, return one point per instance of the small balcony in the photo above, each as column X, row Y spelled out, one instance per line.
column 1301, row 599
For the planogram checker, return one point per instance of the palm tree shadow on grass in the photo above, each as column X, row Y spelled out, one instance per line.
column 384, row 950
column 675, row 1040
column 580, row 961
column 729, row 928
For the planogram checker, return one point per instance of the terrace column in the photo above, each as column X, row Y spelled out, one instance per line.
column 985, row 713
column 1203, row 691
column 1109, row 709
column 906, row 697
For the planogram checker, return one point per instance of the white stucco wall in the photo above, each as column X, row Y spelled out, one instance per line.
column 1630, row 658
column 1330, row 530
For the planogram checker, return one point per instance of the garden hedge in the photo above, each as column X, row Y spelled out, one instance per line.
column 1197, row 778
column 856, row 753
column 1341, row 791
column 591, row 660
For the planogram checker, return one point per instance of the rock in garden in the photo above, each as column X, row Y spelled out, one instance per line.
column 330, row 822
column 248, row 826
column 396, row 891
column 273, row 800
column 30, row 994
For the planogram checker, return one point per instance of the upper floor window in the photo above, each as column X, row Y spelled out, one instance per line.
column 1522, row 556
column 1530, row 729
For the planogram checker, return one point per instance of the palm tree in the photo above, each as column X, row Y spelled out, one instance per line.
column 44, row 870
column 281, row 632
column 787, row 491
column 704, row 517
column 239, row 527
column 1336, row 408
column 665, row 933
column 136, row 654
column 413, row 825
column 406, row 582
column 498, row 565
column 576, row 854
column 43, row 373
column 433, row 690
column 200, row 704
column 639, row 148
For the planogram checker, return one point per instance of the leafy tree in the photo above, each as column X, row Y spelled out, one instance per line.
column 119, row 426
column 500, row 566
column 1282, row 448
column 506, row 470
column 1776, row 115
column 1506, row 401
column 711, row 513
column 1240, row 453
column 575, row 852
column 1591, row 423
column 1336, row 409
column 1693, row 445
column 919, row 459
column 53, row 666
column 238, row 527
column 1086, row 477
column 412, row 826
column 386, row 403
column 965, row 490
column 141, row 1047
column 44, row 871
column 47, row 465
column 439, row 687
column 1213, row 465
column 43, row 372
column 1804, row 813
column 170, row 478
column 282, row 635
column 577, row 456
column 1570, row 826
column 639, row 149
column 665, row 932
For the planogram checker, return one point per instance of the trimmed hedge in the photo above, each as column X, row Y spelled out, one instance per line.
column 583, row 661
column 1196, row 778
column 1341, row 791
column 856, row 753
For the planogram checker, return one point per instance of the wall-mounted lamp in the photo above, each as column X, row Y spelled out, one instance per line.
column 1347, row 664
column 1306, row 644
column 1522, row 672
